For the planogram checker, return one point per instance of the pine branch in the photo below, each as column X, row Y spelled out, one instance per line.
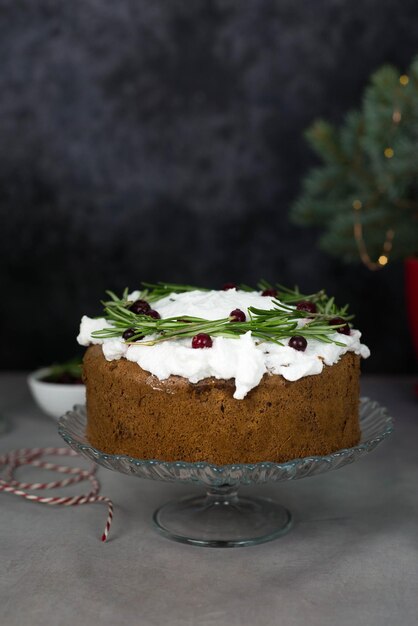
column 372, row 158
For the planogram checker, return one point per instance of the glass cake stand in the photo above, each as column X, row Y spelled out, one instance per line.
column 221, row 518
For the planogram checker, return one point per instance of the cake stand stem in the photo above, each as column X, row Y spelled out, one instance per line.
column 222, row 519
column 222, row 495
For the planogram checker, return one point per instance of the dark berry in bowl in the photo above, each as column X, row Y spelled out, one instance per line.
column 63, row 379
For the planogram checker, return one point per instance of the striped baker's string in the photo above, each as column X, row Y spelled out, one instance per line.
column 34, row 457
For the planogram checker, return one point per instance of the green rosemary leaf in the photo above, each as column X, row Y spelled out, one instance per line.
column 243, row 287
column 113, row 296
column 156, row 291
column 264, row 284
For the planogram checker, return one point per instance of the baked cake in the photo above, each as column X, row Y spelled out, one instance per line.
column 229, row 376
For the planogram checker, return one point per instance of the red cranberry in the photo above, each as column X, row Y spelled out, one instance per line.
column 305, row 305
column 154, row 314
column 228, row 286
column 128, row 334
column 298, row 343
column 140, row 307
column 344, row 330
column 202, row 340
column 269, row 292
column 237, row 316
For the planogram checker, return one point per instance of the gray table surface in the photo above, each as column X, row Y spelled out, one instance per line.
column 351, row 557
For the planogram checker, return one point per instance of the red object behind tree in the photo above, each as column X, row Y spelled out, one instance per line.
column 411, row 276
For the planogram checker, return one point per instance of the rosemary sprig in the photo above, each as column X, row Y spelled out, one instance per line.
column 151, row 292
column 274, row 325
column 324, row 304
column 156, row 291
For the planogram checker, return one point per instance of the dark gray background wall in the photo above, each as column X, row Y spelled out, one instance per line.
column 163, row 140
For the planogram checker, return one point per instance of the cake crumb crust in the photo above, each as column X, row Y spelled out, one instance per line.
column 132, row 412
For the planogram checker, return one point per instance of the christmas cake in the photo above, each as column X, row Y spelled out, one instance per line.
column 230, row 376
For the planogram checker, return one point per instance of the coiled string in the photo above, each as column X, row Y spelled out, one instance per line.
column 34, row 457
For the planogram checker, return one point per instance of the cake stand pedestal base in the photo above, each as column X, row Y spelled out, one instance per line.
column 221, row 519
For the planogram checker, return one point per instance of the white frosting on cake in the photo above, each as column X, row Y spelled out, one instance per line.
column 246, row 358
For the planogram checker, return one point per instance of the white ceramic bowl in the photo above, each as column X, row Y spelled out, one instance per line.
column 54, row 399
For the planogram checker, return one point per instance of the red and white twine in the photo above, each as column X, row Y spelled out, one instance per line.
column 33, row 456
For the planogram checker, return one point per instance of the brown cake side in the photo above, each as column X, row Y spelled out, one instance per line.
column 132, row 412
